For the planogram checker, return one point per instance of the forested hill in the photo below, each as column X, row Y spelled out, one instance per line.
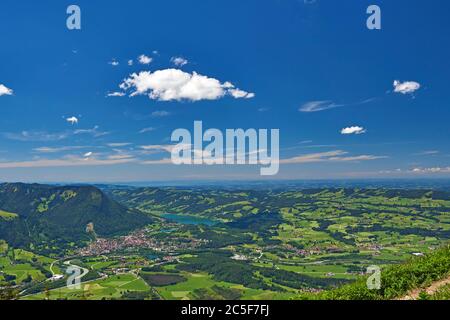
column 33, row 214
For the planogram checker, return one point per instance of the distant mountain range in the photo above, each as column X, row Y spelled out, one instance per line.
column 423, row 183
column 34, row 213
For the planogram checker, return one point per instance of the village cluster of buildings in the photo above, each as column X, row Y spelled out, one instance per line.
column 139, row 239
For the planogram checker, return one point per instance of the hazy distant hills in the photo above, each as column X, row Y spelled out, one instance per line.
column 235, row 203
column 32, row 213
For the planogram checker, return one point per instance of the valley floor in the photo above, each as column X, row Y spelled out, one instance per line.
column 234, row 245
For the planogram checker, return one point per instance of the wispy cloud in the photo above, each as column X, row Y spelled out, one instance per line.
column 160, row 114
column 207, row 156
column 44, row 136
column 418, row 171
column 94, row 132
column 322, row 105
column 69, row 161
column 160, row 161
column 431, row 170
column 329, row 156
column 148, row 129
column 357, row 158
column 407, row 87
column 36, row 136
column 59, row 149
column 427, row 153
column 115, row 94
column 158, row 147
column 119, row 144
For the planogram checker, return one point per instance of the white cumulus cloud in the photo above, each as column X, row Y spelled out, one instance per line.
column 353, row 130
column 114, row 63
column 406, row 87
column 72, row 120
column 175, row 84
column 143, row 59
column 179, row 61
column 239, row 94
column 5, row 91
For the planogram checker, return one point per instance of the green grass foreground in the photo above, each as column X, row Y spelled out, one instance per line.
column 396, row 280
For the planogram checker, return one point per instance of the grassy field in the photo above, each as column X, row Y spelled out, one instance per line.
column 113, row 287
column 201, row 285
column 7, row 215
column 23, row 265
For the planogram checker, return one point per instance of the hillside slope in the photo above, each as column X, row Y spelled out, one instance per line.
column 416, row 275
column 40, row 213
column 430, row 291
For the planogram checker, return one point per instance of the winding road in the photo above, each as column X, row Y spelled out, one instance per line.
column 77, row 278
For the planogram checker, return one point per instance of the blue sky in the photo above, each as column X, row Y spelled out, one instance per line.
column 285, row 57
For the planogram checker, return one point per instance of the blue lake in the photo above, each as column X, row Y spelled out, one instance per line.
column 186, row 219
